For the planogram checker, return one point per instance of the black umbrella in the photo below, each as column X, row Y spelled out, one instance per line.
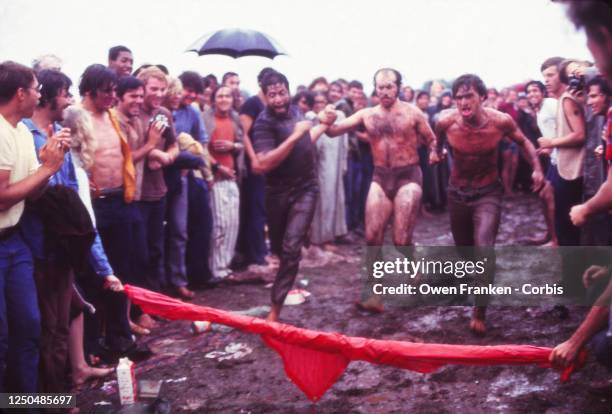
column 237, row 43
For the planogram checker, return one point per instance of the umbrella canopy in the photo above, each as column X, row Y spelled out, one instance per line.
column 237, row 43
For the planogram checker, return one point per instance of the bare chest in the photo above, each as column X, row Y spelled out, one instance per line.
column 393, row 126
column 473, row 141
column 107, row 140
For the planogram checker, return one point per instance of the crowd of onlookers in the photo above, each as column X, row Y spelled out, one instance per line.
column 151, row 179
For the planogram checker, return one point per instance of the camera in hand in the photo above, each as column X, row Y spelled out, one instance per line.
column 160, row 118
column 576, row 82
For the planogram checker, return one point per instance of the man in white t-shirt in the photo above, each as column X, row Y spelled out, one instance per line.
column 21, row 177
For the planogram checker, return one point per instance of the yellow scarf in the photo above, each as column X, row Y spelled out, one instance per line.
column 129, row 172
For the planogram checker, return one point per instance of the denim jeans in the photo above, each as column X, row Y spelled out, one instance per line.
column 18, row 309
column 122, row 232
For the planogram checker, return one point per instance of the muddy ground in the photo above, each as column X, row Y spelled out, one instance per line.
column 256, row 383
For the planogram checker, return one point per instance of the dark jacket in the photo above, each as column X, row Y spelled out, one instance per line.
column 68, row 230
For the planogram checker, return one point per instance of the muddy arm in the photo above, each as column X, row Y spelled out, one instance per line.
column 347, row 124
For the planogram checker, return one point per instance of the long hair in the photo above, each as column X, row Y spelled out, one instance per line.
column 96, row 77
column 175, row 86
column 81, row 131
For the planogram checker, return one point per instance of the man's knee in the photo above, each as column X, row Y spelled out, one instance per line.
column 409, row 194
column 374, row 235
column 485, row 231
column 486, row 226
column 291, row 249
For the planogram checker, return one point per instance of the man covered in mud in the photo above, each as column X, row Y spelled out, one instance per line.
column 395, row 130
column 474, row 134
column 284, row 144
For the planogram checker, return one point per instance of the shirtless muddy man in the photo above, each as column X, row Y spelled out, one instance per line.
column 474, row 193
column 474, row 133
column 395, row 130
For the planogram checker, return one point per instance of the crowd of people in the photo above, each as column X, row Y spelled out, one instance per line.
column 176, row 183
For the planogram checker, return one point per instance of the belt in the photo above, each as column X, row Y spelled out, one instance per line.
column 6, row 233
column 110, row 192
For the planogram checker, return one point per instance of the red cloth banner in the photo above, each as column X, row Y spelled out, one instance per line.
column 315, row 360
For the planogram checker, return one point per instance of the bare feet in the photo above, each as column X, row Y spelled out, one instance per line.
column 373, row 305
column 273, row 260
column 255, row 268
column 82, row 374
column 185, row 293
column 146, row 322
column 138, row 330
column 477, row 324
column 329, row 247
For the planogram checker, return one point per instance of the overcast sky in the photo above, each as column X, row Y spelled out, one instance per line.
column 502, row 41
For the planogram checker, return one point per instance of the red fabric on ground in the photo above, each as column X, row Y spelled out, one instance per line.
column 314, row 360
column 314, row 372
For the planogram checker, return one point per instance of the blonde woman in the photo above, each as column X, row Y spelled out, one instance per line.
column 174, row 94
